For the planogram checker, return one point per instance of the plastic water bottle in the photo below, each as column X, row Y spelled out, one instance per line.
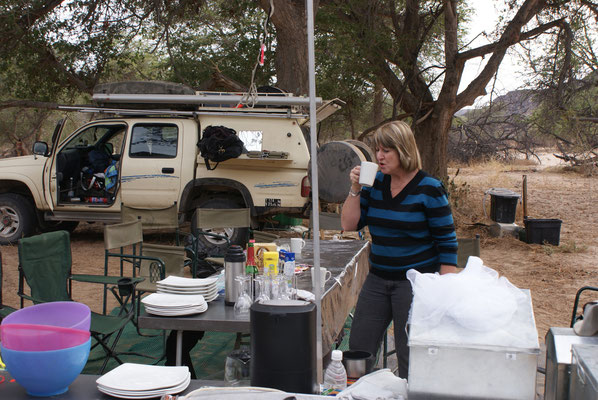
column 335, row 376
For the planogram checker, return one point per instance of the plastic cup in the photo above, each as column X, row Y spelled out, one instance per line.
column 367, row 173
column 66, row 314
column 28, row 337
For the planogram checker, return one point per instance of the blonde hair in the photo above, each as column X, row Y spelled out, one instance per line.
column 397, row 135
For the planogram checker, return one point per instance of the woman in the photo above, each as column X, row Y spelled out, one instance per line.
column 411, row 225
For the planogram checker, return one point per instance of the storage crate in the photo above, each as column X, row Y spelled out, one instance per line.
column 584, row 372
column 540, row 231
column 479, row 365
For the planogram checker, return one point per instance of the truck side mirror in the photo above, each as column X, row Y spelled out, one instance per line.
column 40, row 148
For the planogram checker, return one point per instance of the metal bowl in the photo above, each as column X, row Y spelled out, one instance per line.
column 358, row 363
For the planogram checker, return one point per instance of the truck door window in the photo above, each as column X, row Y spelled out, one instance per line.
column 154, row 141
column 252, row 140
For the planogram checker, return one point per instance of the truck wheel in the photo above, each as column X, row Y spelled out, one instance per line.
column 235, row 235
column 17, row 218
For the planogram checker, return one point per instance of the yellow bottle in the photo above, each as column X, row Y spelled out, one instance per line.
column 271, row 263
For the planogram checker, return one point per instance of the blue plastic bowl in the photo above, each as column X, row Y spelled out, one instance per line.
column 46, row 373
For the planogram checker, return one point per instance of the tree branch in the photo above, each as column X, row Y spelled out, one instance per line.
column 492, row 47
column 511, row 35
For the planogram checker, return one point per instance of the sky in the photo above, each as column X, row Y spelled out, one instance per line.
column 485, row 19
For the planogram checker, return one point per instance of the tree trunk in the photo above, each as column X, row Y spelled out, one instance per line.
column 290, row 20
column 431, row 135
column 378, row 112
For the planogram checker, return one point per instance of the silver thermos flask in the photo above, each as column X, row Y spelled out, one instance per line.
column 234, row 265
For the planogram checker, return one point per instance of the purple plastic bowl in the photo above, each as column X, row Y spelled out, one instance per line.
column 27, row 337
column 67, row 314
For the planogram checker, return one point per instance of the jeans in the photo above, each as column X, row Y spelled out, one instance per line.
column 190, row 339
column 380, row 302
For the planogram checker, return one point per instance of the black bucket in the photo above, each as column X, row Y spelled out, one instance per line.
column 503, row 205
column 542, row 231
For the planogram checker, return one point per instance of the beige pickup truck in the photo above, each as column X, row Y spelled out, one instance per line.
column 148, row 158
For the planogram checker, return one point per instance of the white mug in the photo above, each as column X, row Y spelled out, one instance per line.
column 367, row 173
column 324, row 276
column 297, row 244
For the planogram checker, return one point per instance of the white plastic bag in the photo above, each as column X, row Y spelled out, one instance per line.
column 476, row 298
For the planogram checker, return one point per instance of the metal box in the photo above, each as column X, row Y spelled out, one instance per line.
column 584, row 372
column 452, row 362
column 559, row 342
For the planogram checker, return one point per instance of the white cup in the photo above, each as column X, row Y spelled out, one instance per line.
column 297, row 244
column 367, row 173
column 324, row 276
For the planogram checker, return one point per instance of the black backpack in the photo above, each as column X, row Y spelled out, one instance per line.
column 219, row 143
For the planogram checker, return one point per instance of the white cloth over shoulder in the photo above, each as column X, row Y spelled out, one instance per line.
column 476, row 298
column 378, row 385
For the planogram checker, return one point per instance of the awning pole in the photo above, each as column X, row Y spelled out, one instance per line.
column 314, row 181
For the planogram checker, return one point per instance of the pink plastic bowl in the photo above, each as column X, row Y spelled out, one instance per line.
column 66, row 314
column 27, row 337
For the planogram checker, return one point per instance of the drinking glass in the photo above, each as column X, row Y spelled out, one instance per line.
column 243, row 303
column 236, row 369
column 262, row 288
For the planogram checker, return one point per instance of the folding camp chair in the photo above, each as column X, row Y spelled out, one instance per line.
column 4, row 309
column 467, row 247
column 124, row 242
column 328, row 221
column 152, row 219
column 174, row 259
column 45, row 265
column 207, row 222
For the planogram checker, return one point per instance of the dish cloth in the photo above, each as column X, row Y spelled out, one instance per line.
column 305, row 295
column 378, row 385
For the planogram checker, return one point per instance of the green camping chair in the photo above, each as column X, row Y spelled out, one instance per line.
column 174, row 259
column 210, row 227
column 467, row 247
column 154, row 219
column 124, row 242
column 45, row 265
column 4, row 309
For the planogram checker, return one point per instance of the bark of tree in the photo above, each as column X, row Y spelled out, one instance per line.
column 289, row 18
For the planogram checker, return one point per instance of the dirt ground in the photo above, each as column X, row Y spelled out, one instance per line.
column 553, row 274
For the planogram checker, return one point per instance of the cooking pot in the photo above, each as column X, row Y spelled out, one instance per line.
column 358, row 363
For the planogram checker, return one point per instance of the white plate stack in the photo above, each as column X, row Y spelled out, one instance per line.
column 170, row 305
column 139, row 381
column 180, row 285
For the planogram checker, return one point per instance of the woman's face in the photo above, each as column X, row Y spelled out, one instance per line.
column 388, row 160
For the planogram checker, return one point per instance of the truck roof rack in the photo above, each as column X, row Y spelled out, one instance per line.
column 201, row 100
column 156, row 112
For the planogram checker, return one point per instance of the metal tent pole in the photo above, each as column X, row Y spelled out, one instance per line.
column 314, row 181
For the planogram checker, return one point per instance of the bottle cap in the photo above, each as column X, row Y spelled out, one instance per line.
column 337, row 355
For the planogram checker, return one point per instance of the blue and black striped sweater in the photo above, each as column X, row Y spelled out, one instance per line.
column 414, row 229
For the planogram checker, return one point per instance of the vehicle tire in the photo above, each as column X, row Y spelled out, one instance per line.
column 52, row 226
column 17, row 218
column 235, row 235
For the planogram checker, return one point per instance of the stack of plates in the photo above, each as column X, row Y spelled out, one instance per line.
column 179, row 285
column 138, row 381
column 169, row 305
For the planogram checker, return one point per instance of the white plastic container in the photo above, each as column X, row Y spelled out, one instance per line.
column 451, row 362
column 335, row 376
